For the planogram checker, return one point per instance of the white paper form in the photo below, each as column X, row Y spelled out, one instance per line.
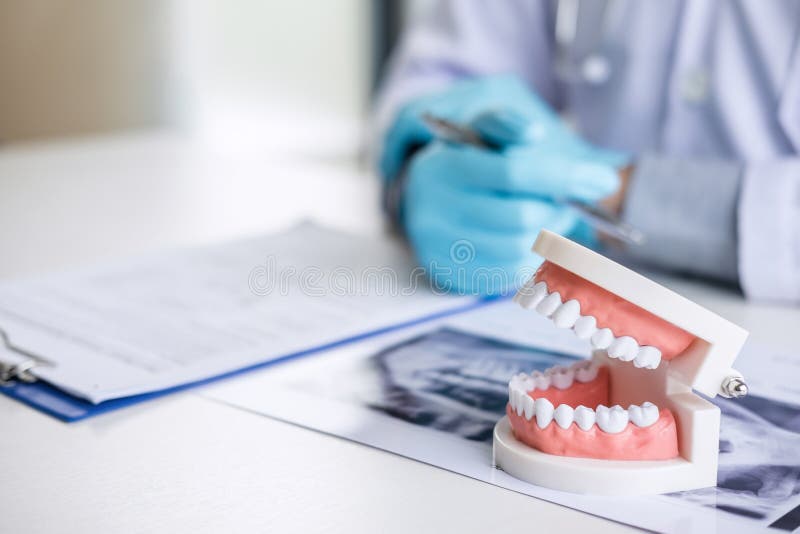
column 434, row 393
column 182, row 316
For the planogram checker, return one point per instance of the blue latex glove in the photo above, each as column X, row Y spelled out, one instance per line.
column 508, row 99
column 472, row 214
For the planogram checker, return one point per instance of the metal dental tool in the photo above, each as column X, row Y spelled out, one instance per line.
column 597, row 217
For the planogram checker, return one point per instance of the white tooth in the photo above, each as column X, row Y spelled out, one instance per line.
column 562, row 377
column 512, row 384
column 528, row 384
column 585, row 326
column 544, row 412
column 520, row 292
column 527, row 406
column 586, row 371
column 564, row 416
column 515, row 394
column 541, row 380
column 525, row 290
column 582, row 364
column 648, row 357
column 612, row 420
column 533, row 296
column 644, row 415
column 520, row 399
column 584, row 417
column 550, row 371
column 550, row 304
column 566, row 314
column 602, row 339
column 625, row 348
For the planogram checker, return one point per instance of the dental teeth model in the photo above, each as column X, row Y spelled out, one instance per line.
column 626, row 422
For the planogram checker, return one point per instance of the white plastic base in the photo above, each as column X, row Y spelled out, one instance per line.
column 590, row 476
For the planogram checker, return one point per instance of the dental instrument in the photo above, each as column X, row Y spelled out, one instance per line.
column 597, row 217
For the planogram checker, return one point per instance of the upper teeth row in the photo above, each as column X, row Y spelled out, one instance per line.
column 611, row 420
column 568, row 315
column 557, row 376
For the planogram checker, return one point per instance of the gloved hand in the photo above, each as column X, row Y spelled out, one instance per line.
column 472, row 214
column 465, row 101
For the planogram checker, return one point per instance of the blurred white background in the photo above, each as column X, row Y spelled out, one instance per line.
column 135, row 125
column 225, row 70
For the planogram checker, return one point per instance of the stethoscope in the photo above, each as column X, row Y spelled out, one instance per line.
column 581, row 58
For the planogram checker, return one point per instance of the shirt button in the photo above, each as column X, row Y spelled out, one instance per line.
column 596, row 69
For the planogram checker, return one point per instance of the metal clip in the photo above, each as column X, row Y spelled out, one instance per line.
column 18, row 371
column 19, row 367
column 733, row 387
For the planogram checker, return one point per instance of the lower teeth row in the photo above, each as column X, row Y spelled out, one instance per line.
column 611, row 420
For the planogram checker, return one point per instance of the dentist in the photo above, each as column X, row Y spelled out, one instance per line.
column 681, row 116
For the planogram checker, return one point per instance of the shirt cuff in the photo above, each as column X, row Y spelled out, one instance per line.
column 687, row 210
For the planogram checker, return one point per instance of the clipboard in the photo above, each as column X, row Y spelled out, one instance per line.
column 19, row 382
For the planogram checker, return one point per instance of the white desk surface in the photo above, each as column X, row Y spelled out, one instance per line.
column 187, row 464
